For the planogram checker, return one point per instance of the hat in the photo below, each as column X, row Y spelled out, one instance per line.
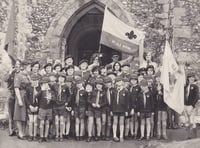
column 125, row 79
column 191, row 74
column 69, row 67
column 58, row 64
column 45, row 80
column 117, row 79
column 69, row 79
column 35, row 77
column 143, row 83
column 124, row 65
column 68, row 56
column 142, row 70
column 48, row 64
column 90, row 83
column 83, row 61
column 99, row 81
column 78, row 81
column 107, row 79
column 62, row 74
column 111, row 73
column 35, row 63
column 133, row 76
column 150, row 66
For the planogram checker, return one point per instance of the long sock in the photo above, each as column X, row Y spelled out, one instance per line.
column 164, row 126
column 61, row 129
column 158, row 129
column 57, row 129
column 121, row 131
column 136, row 128
column 152, row 128
column 31, row 129
column 99, row 127
column 67, row 127
column 132, row 127
column 148, row 129
column 46, row 130
column 35, row 130
column 127, row 128
column 108, row 130
column 114, row 130
column 77, row 129
column 90, row 127
column 142, row 130
column 82, row 128
column 41, row 130
column 103, row 127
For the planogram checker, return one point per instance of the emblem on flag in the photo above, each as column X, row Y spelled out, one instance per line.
column 131, row 35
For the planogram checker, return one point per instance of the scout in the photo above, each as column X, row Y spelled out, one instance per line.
column 145, row 108
column 60, row 101
column 33, row 106
column 119, row 108
column 134, row 91
column 79, row 110
column 45, row 97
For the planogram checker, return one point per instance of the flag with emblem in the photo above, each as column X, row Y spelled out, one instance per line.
column 173, row 79
column 120, row 36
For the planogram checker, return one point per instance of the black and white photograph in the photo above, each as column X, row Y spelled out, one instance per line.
column 99, row 73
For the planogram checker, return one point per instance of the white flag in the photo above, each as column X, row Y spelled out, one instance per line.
column 118, row 35
column 173, row 79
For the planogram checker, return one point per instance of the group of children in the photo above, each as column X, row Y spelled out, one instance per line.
column 102, row 102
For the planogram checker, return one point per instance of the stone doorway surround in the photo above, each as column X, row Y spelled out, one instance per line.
column 61, row 25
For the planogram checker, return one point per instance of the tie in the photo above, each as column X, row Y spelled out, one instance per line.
column 118, row 91
column 34, row 93
column 188, row 91
column 59, row 92
column 148, row 63
column 108, row 95
column 77, row 97
column 145, row 100
column 98, row 95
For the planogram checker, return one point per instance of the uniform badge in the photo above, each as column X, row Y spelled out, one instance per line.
column 63, row 90
column 123, row 94
column 147, row 96
column 101, row 95
column 81, row 94
column 192, row 88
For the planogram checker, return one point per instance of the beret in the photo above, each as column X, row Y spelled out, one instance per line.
column 68, row 56
column 107, row 79
column 45, row 80
column 48, row 64
column 83, row 61
column 56, row 65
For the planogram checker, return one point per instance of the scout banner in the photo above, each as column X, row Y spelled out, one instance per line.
column 118, row 35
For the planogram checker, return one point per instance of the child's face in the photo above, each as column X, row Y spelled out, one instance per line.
column 144, row 88
column 61, row 79
column 99, row 86
column 48, row 69
column 104, row 71
column 191, row 79
column 69, row 84
column 117, row 67
column 133, row 81
column 35, row 68
column 58, row 69
column 150, row 71
column 35, row 83
column 70, row 71
column 108, row 85
column 150, row 82
column 140, row 77
column 126, row 69
column 79, row 85
column 69, row 61
column 119, row 83
column 126, row 84
column 52, row 78
column 96, row 73
column 157, row 79
column 148, row 56
column 88, row 88
column 96, row 60
column 45, row 86
column 84, row 66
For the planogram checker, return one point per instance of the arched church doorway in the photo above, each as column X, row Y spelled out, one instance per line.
column 84, row 37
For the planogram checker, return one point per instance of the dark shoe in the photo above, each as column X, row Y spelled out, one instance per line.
column 165, row 137
column 77, row 138
column 89, row 139
column 66, row 137
column 46, row 139
column 141, row 138
column 13, row 134
column 21, row 138
column 56, row 139
column 107, row 138
column 30, row 138
column 61, row 139
column 121, row 139
column 34, row 139
column 41, row 140
column 103, row 138
column 96, row 138
column 158, row 137
column 115, row 139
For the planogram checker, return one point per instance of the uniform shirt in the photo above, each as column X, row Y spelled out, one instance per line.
column 31, row 98
column 82, row 99
column 62, row 95
column 134, row 91
column 192, row 96
column 42, row 98
column 119, row 100
column 145, row 104
column 160, row 104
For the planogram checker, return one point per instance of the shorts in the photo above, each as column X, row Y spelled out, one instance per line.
column 118, row 114
column 145, row 115
column 59, row 111
column 31, row 113
column 79, row 113
column 45, row 114
column 106, row 111
column 94, row 113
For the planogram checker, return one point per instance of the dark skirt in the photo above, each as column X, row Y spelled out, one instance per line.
column 20, row 113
